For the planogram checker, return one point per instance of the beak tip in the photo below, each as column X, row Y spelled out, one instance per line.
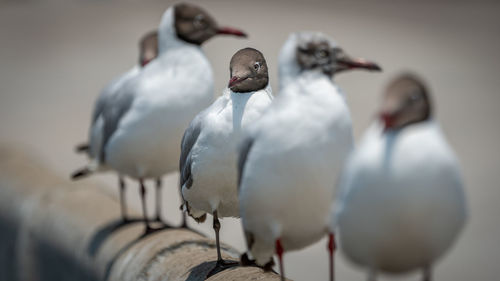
column 232, row 81
column 241, row 34
column 231, row 31
column 387, row 120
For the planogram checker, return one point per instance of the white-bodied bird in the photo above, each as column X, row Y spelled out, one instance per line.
column 290, row 159
column 148, row 50
column 402, row 202
column 210, row 145
column 141, row 135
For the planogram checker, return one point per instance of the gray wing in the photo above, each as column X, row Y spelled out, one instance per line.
column 100, row 103
column 116, row 107
column 106, row 95
column 188, row 140
column 245, row 147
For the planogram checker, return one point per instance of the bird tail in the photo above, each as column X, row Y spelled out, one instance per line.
column 82, row 148
column 198, row 216
column 85, row 171
column 81, row 173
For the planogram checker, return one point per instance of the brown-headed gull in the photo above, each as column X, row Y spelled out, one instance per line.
column 402, row 202
column 141, row 135
column 148, row 50
column 210, row 144
column 290, row 159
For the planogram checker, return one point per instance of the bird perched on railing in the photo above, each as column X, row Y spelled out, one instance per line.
column 141, row 134
column 290, row 159
column 148, row 50
column 402, row 203
column 209, row 147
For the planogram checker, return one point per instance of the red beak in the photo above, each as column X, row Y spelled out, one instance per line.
column 231, row 31
column 145, row 62
column 388, row 120
column 360, row 63
column 234, row 80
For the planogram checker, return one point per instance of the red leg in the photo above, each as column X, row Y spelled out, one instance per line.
column 331, row 249
column 279, row 252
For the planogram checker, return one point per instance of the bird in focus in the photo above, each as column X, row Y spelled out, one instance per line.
column 290, row 159
column 141, row 133
column 402, row 202
column 209, row 147
column 148, row 50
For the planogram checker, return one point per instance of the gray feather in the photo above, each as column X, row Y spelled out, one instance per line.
column 119, row 104
column 105, row 97
column 245, row 147
column 188, row 140
column 100, row 104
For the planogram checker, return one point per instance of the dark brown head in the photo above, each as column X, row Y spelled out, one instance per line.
column 248, row 71
column 148, row 47
column 195, row 25
column 405, row 102
column 320, row 53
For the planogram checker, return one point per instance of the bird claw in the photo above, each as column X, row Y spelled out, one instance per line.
column 220, row 266
column 246, row 261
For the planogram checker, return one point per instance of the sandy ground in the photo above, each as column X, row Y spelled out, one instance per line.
column 55, row 56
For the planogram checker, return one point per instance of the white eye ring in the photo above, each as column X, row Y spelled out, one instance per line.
column 256, row 66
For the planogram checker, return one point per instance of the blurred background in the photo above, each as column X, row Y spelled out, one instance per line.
column 55, row 56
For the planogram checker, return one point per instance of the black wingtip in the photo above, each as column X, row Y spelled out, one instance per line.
column 82, row 148
column 200, row 219
column 246, row 261
column 80, row 173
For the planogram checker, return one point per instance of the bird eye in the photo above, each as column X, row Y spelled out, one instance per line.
column 322, row 53
column 256, row 66
column 414, row 97
column 199, row 21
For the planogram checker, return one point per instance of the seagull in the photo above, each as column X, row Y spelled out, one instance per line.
column 402, row 203
column 148, row 50
column 290, row 158
column 209, row 147
column 141, row 134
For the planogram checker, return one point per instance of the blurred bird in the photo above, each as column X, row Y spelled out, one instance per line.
column 141, row 134
column 402, row 203
column 209, row 147
column 290, row 159
column 148, row 50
